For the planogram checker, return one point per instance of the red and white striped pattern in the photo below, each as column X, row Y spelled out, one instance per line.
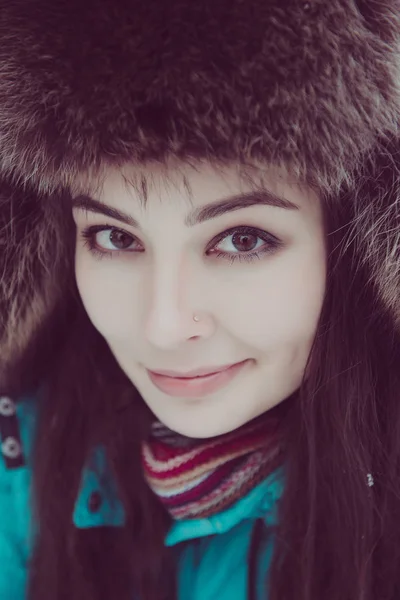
column 199, row 478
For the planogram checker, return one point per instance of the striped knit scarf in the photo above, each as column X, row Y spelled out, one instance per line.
column 198, row 478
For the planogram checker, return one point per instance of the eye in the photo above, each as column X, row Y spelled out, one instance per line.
column 114, row 239
column 241, row 241
column 244, row 243
column 103, row 240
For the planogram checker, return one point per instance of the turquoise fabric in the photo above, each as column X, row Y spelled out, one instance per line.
column 211, row 553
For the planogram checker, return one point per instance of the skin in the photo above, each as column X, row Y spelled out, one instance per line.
column 142, row 298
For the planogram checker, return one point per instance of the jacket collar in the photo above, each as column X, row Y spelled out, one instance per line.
column 98, row 504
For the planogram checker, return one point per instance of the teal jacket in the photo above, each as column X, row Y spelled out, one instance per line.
column 213, row 553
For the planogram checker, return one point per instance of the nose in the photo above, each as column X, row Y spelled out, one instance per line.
column 175, row 294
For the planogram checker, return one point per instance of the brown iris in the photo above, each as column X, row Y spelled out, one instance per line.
column 120, row 240
column 244, row 242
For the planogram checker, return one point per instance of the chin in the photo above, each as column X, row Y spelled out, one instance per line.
column 200, row 429
column 201, row 433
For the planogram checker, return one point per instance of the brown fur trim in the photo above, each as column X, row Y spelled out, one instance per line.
column 34, row 266
column 375, row 232
column 313, row 84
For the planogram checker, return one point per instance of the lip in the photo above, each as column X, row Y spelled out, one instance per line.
column 194, row 372
column 196, row 386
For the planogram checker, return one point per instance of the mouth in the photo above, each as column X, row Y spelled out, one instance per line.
column 201, row 372
column 196, row 383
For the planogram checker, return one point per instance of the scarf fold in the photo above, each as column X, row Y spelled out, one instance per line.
column 197, row 478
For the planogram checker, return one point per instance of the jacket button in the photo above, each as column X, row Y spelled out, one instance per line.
column 11, row 448
column 7, row 407
column 95, row 501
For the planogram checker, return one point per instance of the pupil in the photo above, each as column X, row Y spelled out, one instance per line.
column 120, row 240
column 244, row 241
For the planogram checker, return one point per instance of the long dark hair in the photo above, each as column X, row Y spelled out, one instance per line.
column 338, row 536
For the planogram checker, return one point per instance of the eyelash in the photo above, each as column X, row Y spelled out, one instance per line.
column 273, row 244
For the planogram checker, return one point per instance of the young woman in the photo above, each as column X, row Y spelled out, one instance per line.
column 200, row 365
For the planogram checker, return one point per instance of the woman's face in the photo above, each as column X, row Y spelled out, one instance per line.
column 247, row 258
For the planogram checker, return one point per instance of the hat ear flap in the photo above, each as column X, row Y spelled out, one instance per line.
column 34, row 266
column 375, row 231
column 375, row 15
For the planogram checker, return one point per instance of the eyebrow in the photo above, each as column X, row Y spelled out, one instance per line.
column 197, row 215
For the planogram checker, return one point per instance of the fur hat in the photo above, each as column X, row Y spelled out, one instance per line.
column 313, row 85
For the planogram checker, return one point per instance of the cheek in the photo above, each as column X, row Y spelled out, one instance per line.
column 108, row 295
column 282, row 306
